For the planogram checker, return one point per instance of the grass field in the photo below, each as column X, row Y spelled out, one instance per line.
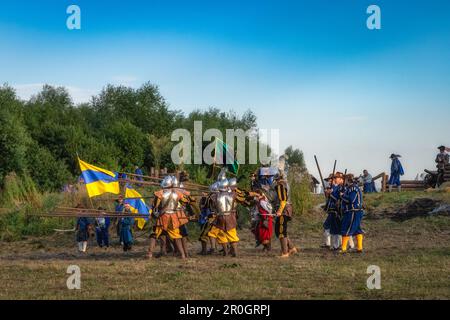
column 414, row 257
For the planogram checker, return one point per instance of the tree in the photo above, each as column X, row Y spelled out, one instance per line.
column 295, row 157
column 159, row 146
column 14, row 138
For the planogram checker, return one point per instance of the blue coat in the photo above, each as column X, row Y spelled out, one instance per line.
column 333, row 222
column 396, row 172
column 82, row 229
column 353, row 211
column 126, row 235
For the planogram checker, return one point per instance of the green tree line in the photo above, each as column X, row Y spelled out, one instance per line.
column 119, row 128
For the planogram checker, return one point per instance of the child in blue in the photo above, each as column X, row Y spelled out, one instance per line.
column 102, row 230
column 352, row 205
column 396, row 172
column 126, row 233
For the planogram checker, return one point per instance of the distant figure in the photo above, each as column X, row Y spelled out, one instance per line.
column 139, row 174
column 442, row 160
column 368, row 183
column 396, row 172
column 123, row 175
column 119, row 206
column 102, row 230
column 126, row 225
column 82, row 229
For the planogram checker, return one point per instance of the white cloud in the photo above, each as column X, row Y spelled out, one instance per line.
column 79, row 95
column 125, row 80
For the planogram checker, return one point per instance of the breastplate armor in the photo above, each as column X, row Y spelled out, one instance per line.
column 225, row 203
column 169, row 201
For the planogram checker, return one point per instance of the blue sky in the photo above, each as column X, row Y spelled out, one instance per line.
column 309, row 68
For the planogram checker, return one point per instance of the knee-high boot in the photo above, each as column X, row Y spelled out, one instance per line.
column 212, row 241
column 204, row 248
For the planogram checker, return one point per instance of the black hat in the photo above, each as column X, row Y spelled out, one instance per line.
column 441, row 147
column 393, row 155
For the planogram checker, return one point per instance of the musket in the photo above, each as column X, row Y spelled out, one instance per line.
column 321, row 177
column 334, row 167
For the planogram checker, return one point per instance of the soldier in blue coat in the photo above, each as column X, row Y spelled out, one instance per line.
column 396, row 172
column 352, row 205
column 332, row 207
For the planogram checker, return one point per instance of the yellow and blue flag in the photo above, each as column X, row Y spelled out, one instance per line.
column 98, row 181
column 137, row 204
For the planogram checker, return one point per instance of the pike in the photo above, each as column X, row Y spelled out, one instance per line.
column 151, row 183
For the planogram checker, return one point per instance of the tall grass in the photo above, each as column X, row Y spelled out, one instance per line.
column 21, row 202
column 300, row 192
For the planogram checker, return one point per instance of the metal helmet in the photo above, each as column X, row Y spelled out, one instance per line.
column 232, row 182
column 175, row 182
column 222, row 175
column 167, row 182
column 214, row 187
column 223, row 184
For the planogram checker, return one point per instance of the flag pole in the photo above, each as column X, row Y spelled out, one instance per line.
column 90, row 199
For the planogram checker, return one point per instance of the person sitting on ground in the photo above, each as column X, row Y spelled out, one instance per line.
column 367, row 181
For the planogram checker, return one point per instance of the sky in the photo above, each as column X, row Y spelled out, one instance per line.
column 311, row 69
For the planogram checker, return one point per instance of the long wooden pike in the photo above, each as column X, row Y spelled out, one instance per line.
column 150, row 183
column 187, row 183
column 320, row 173
column 88, row 215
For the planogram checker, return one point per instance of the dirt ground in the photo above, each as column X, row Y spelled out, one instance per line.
column 413, row 255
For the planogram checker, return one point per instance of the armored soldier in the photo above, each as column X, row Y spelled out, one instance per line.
column 442, row 160
column 168, row 217
column 352, row 205
column 223, row 228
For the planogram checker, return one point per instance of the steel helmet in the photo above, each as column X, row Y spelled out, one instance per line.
column 167, row 182
column 214, row 187
column 223, row 184
column 232, row 182
column 175, row 182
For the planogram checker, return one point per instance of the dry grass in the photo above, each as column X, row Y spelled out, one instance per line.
column 414, row 257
